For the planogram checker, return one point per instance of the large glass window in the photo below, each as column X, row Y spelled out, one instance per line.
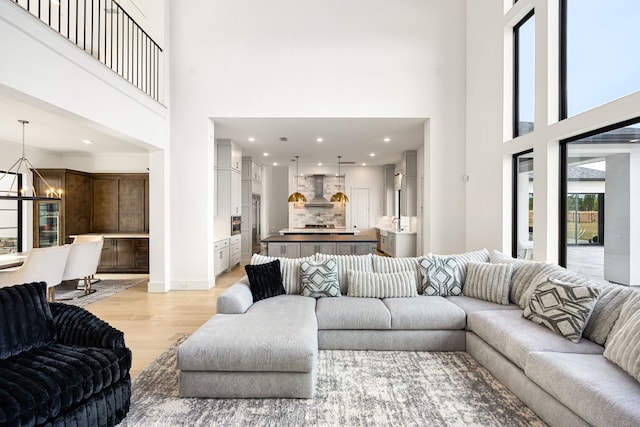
column 522, row 244
column 10, row 219
column 523, row 75
column 601, row 204
column 600, row 41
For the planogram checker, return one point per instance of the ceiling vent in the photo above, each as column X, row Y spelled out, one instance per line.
column 284, row 139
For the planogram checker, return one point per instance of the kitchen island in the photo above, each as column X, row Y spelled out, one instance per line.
column 302, row 245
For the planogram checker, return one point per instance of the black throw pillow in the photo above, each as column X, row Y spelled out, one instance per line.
column 265, row 280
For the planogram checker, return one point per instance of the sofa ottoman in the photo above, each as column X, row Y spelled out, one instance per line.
column 270, row 351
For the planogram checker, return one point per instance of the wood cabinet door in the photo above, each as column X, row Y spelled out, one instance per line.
column 125, row 254
column 131, row 202
column 105, row 204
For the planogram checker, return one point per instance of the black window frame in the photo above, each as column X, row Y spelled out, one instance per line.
column 562, row 217
column 516, row 73
column 515, row 170
column 19, row 211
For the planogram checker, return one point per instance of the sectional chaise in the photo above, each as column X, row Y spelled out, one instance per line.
column 569, row 348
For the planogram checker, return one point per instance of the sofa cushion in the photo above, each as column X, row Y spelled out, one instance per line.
column 440, row 276
column 289, row 269
column 352, row 313
column 606, row 311
column 385, row 264
column 562, row 307
column 381, row 285
column 265, row 280
column 25, row 318
column 515, row 337
column 523, row 273
column 424, row 313
column 236, row 299
column 45, row 382
column 489, row 282
column 470, row 305
column 591, row 386
column 277, row 334
column 465, row 258
column 319, row 278
column 623, row 348
column 557, row 273
column 346, row 263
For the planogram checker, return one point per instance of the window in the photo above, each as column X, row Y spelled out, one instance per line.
column 522, row 233
column 600, row 226
column 523, row 75
column 10, row 219
column 599, row 60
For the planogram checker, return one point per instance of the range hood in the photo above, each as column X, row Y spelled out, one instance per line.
column 318, row 200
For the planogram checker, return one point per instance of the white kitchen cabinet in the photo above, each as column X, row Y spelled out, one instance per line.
column 229, row 155
column 311, row 248
column 360, row 248
column 235, row 248
column 402, row 244
column 220, row 256
column 408, row 196
column 409, row 163
column 236, row 193
column 388, row 195
column 287, row 250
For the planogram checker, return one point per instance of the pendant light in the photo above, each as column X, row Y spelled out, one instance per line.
column 23, row 166
column 297, row 197
column 339, row 197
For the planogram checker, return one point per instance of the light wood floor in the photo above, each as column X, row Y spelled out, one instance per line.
column 151, row 322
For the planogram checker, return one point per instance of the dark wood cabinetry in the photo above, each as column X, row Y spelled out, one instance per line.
column 124, row 255
column 72, row 213
column 97, row 203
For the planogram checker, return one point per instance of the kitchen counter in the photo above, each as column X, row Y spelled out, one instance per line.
column 303, row 245
column 117, row 235
column 318, row 231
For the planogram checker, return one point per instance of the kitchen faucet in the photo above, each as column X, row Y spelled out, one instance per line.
column 397, row 222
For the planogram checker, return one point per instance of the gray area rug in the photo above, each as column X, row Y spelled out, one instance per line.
column 103, row 289
column 354, row 388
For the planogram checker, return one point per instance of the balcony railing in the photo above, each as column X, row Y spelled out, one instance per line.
column 107, row 32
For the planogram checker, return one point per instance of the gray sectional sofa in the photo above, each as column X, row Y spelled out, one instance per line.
column 270, row 348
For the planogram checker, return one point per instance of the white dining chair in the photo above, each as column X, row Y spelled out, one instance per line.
column 40, row 265
column 83, row 262
column 81, row 238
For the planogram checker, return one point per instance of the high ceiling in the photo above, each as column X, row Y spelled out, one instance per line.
column 352, row 138
column 355, row 139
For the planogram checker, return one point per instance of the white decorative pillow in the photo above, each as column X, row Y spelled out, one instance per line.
column 289, row 268
column 562, row 307
column 623, row 347
column 346, row 263
column 319, row 278
column 385, row 264
column 440, row 276
column 489, row 282
column 382, row 285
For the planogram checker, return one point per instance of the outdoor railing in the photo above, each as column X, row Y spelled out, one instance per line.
column 107, row 32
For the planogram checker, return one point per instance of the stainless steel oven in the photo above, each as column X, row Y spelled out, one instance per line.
column 236, row 223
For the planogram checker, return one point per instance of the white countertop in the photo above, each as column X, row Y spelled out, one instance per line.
column 396, row 231
column 117, row 235
column 318, row 231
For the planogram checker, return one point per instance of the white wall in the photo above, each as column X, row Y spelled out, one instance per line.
column 287, row 58
column 108, row 163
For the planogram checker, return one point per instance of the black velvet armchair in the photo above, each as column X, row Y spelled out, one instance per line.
column 59, row 364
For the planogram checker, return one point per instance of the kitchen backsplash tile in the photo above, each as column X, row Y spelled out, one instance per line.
column 299, row 216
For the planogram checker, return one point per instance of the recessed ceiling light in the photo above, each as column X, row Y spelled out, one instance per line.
column 87, row 141
column 265, row 154
column 251, row 139
column 387, row 139
column 634, row 140
column 364, row 164
column 275, row 163
column 319, row 164
column 319, row 139
column 372, row 154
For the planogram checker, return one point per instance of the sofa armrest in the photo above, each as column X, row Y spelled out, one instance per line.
column 237, row 299
column 77, row 326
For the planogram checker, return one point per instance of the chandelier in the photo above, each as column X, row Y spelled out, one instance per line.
column 23, row 167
